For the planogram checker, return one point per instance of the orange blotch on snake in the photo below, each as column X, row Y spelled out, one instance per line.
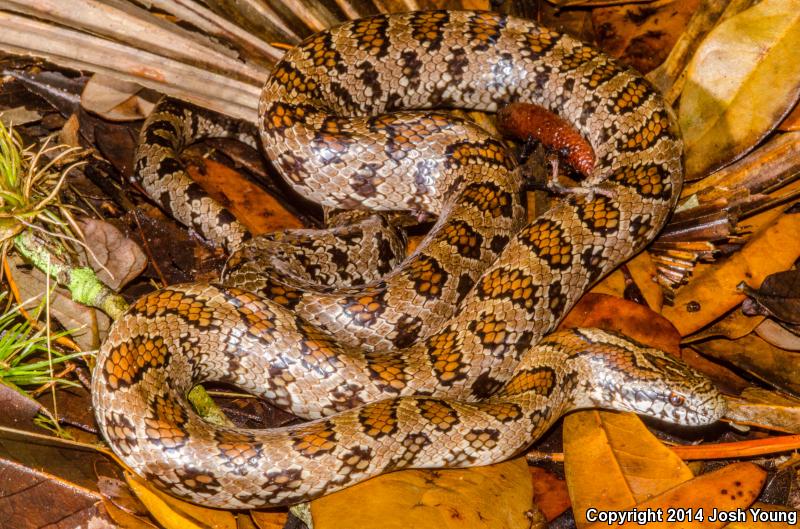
column 540, row 380
column 547, row 240
column 315, row 439
column 443, row 350
column 379, row 419
column 513, row 284
column 439, row 413
column 126, row 363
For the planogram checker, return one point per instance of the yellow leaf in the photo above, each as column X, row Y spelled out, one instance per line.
column 496, row 496
column 742, row 80
column 173, row 513
column 776, row 516
column 613, row 462
column 712, row 292
column 269, row 519
column 730, row 488
column 642, row 271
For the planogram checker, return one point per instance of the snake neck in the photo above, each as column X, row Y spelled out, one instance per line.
column 606, row 370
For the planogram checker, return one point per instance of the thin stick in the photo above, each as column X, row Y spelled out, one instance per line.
column 12, row 285
column 148, row 252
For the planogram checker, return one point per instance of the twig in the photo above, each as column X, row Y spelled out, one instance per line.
column 12, row 285
column 148, row 251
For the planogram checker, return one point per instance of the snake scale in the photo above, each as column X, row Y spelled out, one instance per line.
column 445, row 358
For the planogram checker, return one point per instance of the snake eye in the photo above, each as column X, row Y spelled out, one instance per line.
column 676, row 400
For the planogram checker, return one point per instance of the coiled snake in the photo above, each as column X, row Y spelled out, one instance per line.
column 444, row 361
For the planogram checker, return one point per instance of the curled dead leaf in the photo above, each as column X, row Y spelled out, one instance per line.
column 778, row 296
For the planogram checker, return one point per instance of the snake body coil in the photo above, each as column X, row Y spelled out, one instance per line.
column 445, row 360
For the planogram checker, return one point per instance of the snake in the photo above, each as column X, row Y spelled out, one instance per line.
column 447, row 357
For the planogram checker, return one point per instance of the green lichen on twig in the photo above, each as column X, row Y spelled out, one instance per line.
column 35, row 222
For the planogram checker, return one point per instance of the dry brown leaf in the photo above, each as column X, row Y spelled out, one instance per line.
column 629, row 318
column 550, row 493
column 735, row 325
column 782, row 338
column 729, row 488
column 641, row 35
column 712, row 291
column 258, row 210
column 741, row 82
column 269, row 519
column 491, row 497
column 116, row 258
column 778, row 296
column 766, row 409
column 44, row 486
column 114, row 100
column 173, row 513
column 752, row 354
column 634, row 465
column 16, row 117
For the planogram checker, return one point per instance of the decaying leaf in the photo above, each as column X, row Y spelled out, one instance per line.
column 778, row 296
column 550, row 493
column 642, row 34
column 633, row 463
column 28, row 496
column 741, row 82
column 727, row 489
column 173, row 513
column 116, row 258
column 250, row 204
column 765, row 409
column 492, row 497
column 36, row 477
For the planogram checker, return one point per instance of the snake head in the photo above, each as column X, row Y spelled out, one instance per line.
column 624, row 375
